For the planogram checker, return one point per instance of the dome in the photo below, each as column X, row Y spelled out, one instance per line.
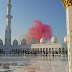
column 32, row 41
column 54, row 40
column 23, row 42
column 15, row 42
column 65, row 39
column 1, row 42
column 42, row 40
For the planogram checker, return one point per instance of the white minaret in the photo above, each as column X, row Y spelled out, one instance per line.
column 8, row 25
column 68, row 6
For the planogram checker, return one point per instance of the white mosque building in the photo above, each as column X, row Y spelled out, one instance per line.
column 47, row 48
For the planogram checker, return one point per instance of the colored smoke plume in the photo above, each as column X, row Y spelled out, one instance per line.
column 38, row 31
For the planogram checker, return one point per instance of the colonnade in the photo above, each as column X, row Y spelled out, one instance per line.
column 39, row 51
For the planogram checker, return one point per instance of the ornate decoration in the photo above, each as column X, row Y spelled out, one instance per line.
column 67, row 3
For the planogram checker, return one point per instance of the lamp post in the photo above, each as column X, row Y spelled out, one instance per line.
column 68, row 6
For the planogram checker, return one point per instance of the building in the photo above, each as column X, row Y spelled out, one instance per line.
column 47, row 48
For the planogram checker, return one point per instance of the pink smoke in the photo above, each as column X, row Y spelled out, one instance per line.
column 38, row 31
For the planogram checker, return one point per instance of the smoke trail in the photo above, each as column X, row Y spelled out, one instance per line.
column 38, row 31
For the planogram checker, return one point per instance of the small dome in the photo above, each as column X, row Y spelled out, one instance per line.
column 32, row 41
column 42, row 40
column 65, row 39
column 1, row 42
column 15, row 42
column 54, row 40
column 23, row 42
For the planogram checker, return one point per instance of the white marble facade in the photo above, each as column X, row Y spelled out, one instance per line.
column 48, row 48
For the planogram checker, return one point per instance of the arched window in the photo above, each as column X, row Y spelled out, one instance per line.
column 38, row 49
column 0, row 51
column 12, row 49
column 49, row 50
column 46, row 50
column 16, row 51
column 41, row 50
column 56, row 50
column 52, row 49
column 63, row 50
column 59, row 50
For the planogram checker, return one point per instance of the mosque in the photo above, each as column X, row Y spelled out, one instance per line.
column 46, row 48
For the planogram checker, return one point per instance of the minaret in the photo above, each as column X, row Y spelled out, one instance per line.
column 68, row 6
column 8, row 25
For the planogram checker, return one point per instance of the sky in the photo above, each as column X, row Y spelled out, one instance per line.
column 25, row 11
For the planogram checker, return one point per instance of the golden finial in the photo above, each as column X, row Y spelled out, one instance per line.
column 67, row 3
